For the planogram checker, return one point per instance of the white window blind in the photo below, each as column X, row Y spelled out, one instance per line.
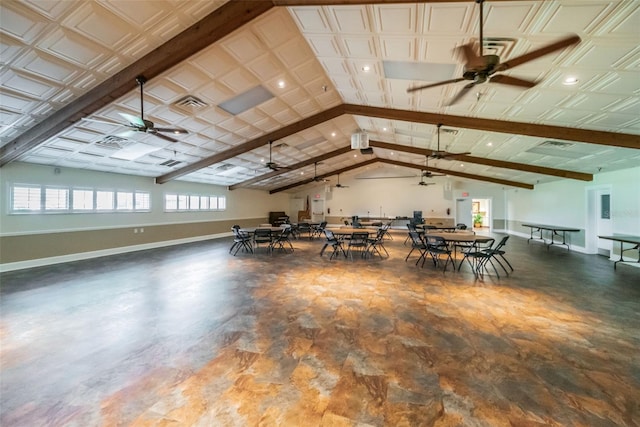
column 56, row 199
column 82, row 200
column 26, row 198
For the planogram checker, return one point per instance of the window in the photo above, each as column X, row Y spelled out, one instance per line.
column 605, row 206
column 171, row 202
column 104, row 200
column 142, row 201
column 56, row 199
column 124, row 201
column 26, row 198
column 193, row 202
column 183, row 202
column 82, row 200
column 213, row 202
column 204, row 203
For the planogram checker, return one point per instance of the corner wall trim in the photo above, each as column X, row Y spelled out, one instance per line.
column 11, row 266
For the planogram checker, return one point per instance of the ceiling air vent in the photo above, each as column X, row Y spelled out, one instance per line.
column 113, row 141
column 170, row 163
column 191, row 101
column 224, row 167
column 555, row 144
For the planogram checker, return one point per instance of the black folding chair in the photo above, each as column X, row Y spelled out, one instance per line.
column 241, row 240
column 377, row 243
column 436, row 247
column 498, row 251
column 419, row 244
column 334, row 242
column 359, row 241
column 477, row 255
column 282, row 240
column 263, row 236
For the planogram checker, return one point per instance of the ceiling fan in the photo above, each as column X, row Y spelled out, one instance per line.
column 427, row 173
column 273, row 165
column 316, row 178
column 480, row 68
column 338, row 185
column 423, row 182
column 441, row 154
column 139, row 124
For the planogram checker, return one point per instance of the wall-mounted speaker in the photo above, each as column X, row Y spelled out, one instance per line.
column 359, row 141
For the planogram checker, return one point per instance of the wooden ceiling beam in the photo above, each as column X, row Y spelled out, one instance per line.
column 213, row 27
column 589, row 136
column 298, row 165
column 253, row 144
column 326, row 175
column 460, row 174
column 489, row 162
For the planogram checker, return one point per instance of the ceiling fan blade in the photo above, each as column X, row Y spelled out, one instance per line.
column 513, row 81
column 135, row 121
column 460, row 94
column 177, row 131
column 159, row 135
column 471, row 59
column 445, row 82
column 537, row 53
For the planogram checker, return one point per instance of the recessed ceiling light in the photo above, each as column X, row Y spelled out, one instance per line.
column 301, row 173
column 392, row 153
column 461, row 165
column 384, row 129
column 355, row 155
column 569, row 81
column 366, row 68
column 489, row 144
column 333, row 134
column 281, row 84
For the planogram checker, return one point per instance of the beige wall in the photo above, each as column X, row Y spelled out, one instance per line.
column 25, row 237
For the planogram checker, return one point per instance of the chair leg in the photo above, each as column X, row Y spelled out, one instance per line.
column 505, row 260
column 409, row 254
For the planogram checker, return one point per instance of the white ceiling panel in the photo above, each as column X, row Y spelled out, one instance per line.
column 55, row 51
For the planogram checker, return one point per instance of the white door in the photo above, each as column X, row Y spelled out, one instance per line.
column 463, row 212
column 317, row 210
column 603, row 221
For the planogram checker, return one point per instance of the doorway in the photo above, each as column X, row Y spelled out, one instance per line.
column 481, row 214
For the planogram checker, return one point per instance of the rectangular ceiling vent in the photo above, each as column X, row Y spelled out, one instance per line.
column 191, row 101
column 114, row 142
column 555, row 144
column 449, row 131
column 559, row 149
column 501, row 46
column 170, row 163
column 224, row 167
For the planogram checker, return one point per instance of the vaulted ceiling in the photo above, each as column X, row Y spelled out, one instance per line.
column 307, row 75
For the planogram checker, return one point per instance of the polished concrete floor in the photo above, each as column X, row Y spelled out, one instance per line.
column 192, row 336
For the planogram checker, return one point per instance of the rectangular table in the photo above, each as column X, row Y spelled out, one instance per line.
column 624, row 238
column 554, row 231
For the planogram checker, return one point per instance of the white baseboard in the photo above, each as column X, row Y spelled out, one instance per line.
column 40, row 262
